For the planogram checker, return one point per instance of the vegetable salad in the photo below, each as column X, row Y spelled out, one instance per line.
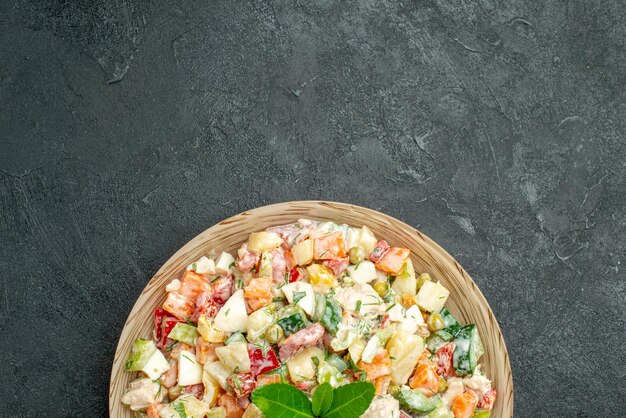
column 306, row 304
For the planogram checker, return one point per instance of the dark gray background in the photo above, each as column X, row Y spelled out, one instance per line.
column 128, row 127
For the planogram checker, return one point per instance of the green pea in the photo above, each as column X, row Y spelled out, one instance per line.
column 274, row 334
column 435, row 322
column 356, row 255
column 381, row 288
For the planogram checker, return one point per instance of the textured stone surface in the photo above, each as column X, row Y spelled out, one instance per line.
column 127, row 127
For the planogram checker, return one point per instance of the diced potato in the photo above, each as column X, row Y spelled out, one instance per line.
column 219, row 373
column 209, row 332
column 352, row 237
column 356, row 350
column 404, row 350
column 156, row 365
column 264, row 241
column 211, row 387
column 371, row 348
column 364, row 272
column 265, row 266
column 233, row 316
column 305, row 293
column 367, row 240
column 203, row 265
column 321, row 277
column 412, row 320
column 301, row 366
column 303, row 252
column 234, row 357
column 189, row 370
column 258, row 323
column 406, row 282
column 224, row 263
column 432, row 296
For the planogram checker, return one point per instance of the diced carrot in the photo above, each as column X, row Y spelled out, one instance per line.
column 380, row 366
column 153, row 410
column 425, row 379
column 289, row 260
column 258, row 293
column 205, row 352
column 393, row 260
column 192, row 285
column 382, row 384
column 267, row 379
column 329, row 247
column 178, row 306
column 229, row 403
column 464, row 405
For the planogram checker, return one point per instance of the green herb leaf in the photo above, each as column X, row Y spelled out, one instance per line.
column 280, row 400
column 358, row 306
column 297, row 296
column 322, row 399
column 180, row 408
column 351, row 400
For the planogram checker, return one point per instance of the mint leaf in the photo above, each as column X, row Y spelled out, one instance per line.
column 351, row 400
column 280, row 400
column 322, row 398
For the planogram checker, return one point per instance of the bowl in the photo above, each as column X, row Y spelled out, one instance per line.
column 466, row 302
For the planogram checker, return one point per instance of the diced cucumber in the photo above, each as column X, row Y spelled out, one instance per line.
column 437, row 339
column 139, row 355
column 415, row 401
column 235, row 337
column 481, row 413
column 292, row 320
column 320, row 306
column 441, row 411
column 331, row 317
column 450, row 324
column 184, row 333
column 468, row 349
column 337, row 361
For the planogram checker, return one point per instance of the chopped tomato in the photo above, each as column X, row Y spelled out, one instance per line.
column 163, row 324
column 242, row 383
column 380, row 366
column 487, row 400
column 425, row 379
column 464, row 405
column 229, row 403
column 193, row 284
column 205, row 352
column 393, row 260
column 262, row 359
column 337, row 265
column 404, row 415
column 445, row 367
column 223, row 289
column 382, row 384
column 329, row 247
column 178, row 306
column 204, row 306
column 258, row 293
column 296, row 274
column 379, row 251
